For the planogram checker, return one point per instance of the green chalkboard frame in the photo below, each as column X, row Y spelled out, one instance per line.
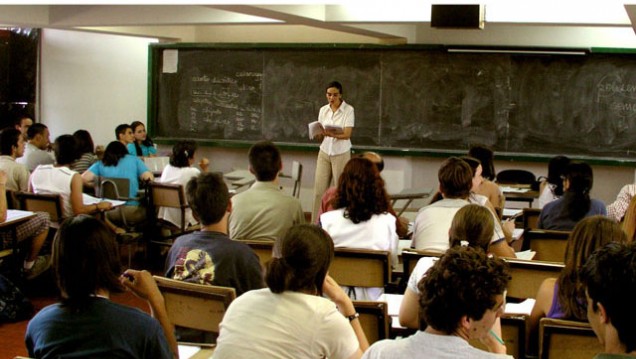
column 155, row 51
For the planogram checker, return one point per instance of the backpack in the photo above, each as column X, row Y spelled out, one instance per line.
column 14, row 306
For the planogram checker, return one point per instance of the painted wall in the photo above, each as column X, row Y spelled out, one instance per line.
column 96, row 81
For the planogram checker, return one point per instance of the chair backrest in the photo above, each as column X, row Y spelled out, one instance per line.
column 195, row 306
column 566, row 339
column 297, row 174
column 39, row 202
column 360, row 267
column 374, row 319
column 263, row 249
column 531, row 218
column 516, row 177
column 410, row 256
column 169, row 195
column 112, row 188
column 513, row 332
column 527, row 276
column 549, row 245
column 12, row 199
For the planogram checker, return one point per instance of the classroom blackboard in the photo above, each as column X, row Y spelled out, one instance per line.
column 405, row 97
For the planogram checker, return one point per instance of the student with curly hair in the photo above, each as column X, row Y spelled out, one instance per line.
column 462, row 298
column 361, row 218
column 564, row 297
column 291, row 318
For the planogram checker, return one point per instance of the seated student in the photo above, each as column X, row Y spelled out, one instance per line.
column 563, row 297
column 86, row 323
column 209, row 256
column 33, row 230
column 59, row 179
column 551, row 188
column 616, row 210
column 124, row 134
column 326, row 204
column 180, row 171
column 433, row 221
column 118, row 163
column 488, row 188
column 609, row 282
column 86, row 149
column 291, row 318
column 462, row 297
column 142, row 145
column 563, row 213
column 264, row 211
column 12, row 148
column 472, row 226
column 361, row 218
column 37, row 150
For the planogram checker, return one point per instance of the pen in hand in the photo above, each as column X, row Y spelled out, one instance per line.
column 496, row 337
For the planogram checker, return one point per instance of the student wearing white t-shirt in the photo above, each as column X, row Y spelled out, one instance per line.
column 291, row 318
column 180, row 171
column 335, row 149
column 472, row 226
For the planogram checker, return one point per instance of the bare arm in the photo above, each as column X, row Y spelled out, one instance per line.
column 345, row 306
column 143, row 285
column 77, row 203
column 410, row 310
column 88, row 178
column 545, row 296
column 502, row 249
column 3, row 198
column 147, row 176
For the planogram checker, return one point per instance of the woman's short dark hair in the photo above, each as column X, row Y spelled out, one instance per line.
column 84, row 141
column 147, row 142
column 556, row 170
column 85, row 259
column 306, row 251
column 361, row 191
column 65, row 149
column 9, row 137
column 463, row 282
column 182, row 152
column 487, row 158
column 113, row 153
column 334, row 84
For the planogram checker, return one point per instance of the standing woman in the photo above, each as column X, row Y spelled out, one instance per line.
column 335, row 149
column 142, row 146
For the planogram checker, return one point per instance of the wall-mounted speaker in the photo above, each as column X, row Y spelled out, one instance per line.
column 458, row 16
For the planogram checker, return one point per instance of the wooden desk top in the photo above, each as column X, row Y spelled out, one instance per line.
column 411, row 193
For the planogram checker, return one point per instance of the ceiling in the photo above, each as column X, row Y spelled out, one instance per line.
column 565, row 23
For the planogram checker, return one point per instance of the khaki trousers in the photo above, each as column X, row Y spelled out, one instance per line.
column 328, row 170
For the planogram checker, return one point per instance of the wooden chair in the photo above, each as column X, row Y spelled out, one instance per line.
column 527, row 276
column 263, row 249
column 374, row 319
column 549, row 245
column 38, row 202
column 410, row 256
column 360, row 267
column 195, row 306
column 513, row 332
column 169, row 196
column 531, row 218
column 119, row 189
column 566, row 339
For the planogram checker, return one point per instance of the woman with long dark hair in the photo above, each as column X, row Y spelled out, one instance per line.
column 142, row 146
column 291, row 318
column 564, row 297
column 551, row 188
column 86, row 149
column 361, row 218
column 575, row 204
